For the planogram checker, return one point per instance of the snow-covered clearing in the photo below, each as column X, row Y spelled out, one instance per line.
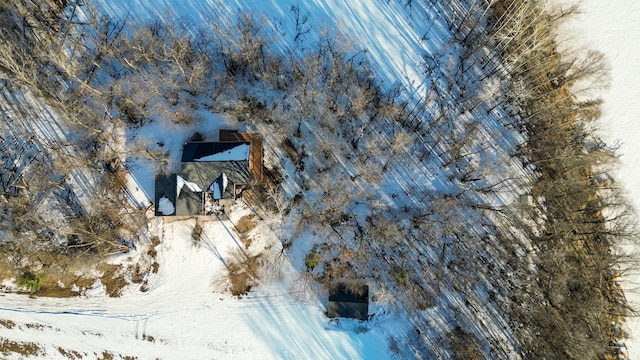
column 613, row 27
column 186, row 314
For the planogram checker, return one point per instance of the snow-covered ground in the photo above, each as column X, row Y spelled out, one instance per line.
column 613, row 27
column 186, row 314
column 393, row 44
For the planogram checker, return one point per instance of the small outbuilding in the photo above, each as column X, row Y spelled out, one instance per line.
column 349, row 302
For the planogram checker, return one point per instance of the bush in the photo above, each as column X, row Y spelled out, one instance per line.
column 312, row 260
column 29, row 281
column 196, row 233
column 244, row 272
column 400, row 275
column 197, row 136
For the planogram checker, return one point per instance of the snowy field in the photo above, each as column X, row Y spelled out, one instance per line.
column 613, row 27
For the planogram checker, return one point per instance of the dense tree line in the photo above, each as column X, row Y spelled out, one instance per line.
column 579, row 308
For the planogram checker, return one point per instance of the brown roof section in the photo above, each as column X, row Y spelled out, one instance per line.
column 256, row 152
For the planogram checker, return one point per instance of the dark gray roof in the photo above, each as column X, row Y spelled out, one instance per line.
column 189, row 203
column 196, row 150
column 344, row 303
column 205, row 173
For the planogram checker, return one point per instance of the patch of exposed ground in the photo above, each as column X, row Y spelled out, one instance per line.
column 113, row 279
column 244, row 272
column 59, row 276
column 244, row 227
column 10, row 347
column 71, row 354
column 7, row 323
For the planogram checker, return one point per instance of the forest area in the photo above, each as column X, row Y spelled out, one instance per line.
column 482, row 209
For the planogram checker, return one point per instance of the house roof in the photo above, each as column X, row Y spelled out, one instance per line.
column 257, row 150
column 204, row 174
column 183, row 196
column 189, row 202
column 206, row 166
column 215, row 151
column 344, row 303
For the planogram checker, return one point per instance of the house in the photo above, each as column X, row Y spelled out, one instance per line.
column 212, row 175
column 343, row 302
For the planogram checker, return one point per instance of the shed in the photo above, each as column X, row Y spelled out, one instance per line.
column 349, row 304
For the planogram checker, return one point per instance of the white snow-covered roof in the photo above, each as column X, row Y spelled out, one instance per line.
column 165, row 206
column 180, row 183
column 238, row 153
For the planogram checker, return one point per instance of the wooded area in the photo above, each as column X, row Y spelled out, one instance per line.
column 487, row 199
